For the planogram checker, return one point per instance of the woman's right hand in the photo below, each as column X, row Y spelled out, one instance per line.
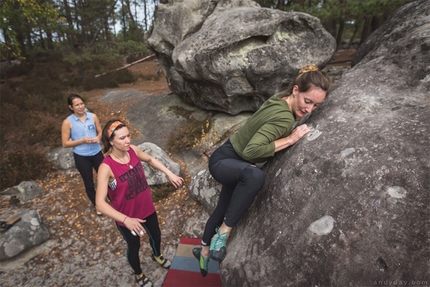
column 298, row 133
column 86, row 140
column 135, row 225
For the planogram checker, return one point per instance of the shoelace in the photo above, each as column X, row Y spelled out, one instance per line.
column 220, row 240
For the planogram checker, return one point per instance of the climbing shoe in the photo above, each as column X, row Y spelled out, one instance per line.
column 203, row 261
column 143, row 281
column 165, row 263
column 217, row 249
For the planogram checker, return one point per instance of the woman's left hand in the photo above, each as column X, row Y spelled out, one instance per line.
column 177, row 181
column 95, row 140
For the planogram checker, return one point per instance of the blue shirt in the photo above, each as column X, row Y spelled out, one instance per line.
column 84, row 129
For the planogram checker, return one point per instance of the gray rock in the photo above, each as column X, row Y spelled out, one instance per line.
column 348, row 205
column 154, row 116
column 62, row 158
column 205, row 189
column 23, row 235
column 25, row 191
column 234, row 56
column 154, row 176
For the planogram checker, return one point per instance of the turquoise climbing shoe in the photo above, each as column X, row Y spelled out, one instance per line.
column 217, row 250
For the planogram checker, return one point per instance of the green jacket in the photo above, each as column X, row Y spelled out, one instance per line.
column 255, row 141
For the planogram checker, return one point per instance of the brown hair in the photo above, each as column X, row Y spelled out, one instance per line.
column 105, row 134
column 309, row 77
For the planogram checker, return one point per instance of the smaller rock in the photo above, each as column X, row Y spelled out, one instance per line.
column 62, row 158
column 25, row 234
column 25, row 191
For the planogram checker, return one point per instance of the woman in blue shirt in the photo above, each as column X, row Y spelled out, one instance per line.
column 82, row 131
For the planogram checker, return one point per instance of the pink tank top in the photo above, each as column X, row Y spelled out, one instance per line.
column 129, row 193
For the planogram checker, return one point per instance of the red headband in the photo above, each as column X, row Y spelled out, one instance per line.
column 112, row 127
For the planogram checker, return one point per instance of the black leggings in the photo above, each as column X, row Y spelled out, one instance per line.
column 85, row 165
column 133, row 242
column 241, row 181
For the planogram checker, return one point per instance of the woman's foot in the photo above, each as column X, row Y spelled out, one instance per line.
column 218, row 249
column 165, row 263
column 203, row 261
column 143, row 281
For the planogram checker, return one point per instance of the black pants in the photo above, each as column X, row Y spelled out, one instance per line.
column 133, row 242
column 241, row 181
column 85, row 165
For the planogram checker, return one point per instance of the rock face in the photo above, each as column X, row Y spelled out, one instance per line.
column 348, row 204
column 154, row 176
column 25, row 234
column 232, row 55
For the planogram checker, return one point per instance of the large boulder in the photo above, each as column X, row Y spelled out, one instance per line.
column 153, row 175
column 348, row 204
column 232, row 55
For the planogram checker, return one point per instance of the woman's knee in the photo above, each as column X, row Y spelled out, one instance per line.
column 254, row 177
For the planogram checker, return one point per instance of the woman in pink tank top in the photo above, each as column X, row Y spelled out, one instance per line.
column 121, row 177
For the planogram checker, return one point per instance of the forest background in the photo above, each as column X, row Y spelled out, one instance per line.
column 50, row 48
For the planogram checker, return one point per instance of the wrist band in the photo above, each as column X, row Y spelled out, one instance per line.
column 124, row 219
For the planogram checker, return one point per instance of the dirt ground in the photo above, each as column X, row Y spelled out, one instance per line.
column 87, row 250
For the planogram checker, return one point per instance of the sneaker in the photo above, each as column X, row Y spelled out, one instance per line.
column 143, row 281
column 165, row 263
column 217, row 249
column 203, row 261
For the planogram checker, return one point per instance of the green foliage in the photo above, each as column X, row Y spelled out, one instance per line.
column 103, row 53
column 26, row 163
column 337, row 15
column 32, row 110
column 18, row 16
column 110, row 80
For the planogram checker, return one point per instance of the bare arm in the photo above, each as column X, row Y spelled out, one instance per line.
column 66, row 127
column 294, row 137
column 155, row 163
column 103, row 175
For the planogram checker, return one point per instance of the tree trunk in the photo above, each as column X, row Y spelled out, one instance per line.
column 365, row 30
column 280, row 5
column 8, row 43
column 356, row 25
column 333, row 29
column 375, row 23
column 145, row 19
column 106, row 18
column 71, row 37
column 340, row 33
column 128, row 8
column 123, row 21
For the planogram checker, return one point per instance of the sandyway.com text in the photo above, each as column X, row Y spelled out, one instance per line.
column 400, row 283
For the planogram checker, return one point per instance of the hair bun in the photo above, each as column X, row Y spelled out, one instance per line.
column 308, row 68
